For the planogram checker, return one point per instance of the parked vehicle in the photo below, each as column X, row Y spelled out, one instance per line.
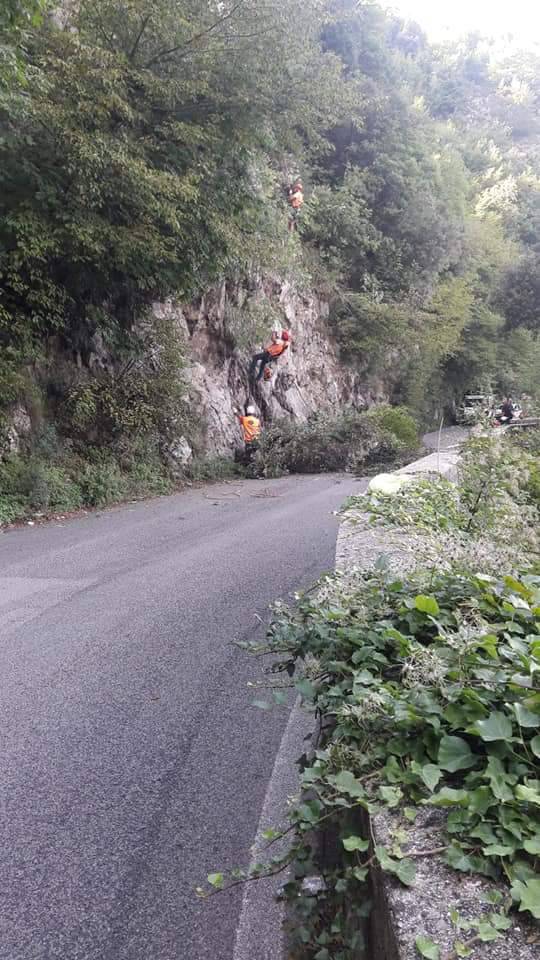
column 475, row 407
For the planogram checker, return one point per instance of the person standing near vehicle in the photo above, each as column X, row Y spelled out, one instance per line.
column 507, row 409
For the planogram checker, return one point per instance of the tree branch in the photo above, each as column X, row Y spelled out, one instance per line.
column 427, row 853
column 195, row 38
column 138, row 38
column 254, row 877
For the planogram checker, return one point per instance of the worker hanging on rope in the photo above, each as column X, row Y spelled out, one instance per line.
column 295, row 199
column 273, row 350
column 251, row 432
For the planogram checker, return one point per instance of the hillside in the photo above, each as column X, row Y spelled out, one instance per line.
column 144, row 244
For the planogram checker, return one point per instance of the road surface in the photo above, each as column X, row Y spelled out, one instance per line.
column 132, row 760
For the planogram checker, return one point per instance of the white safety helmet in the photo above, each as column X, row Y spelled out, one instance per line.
column 250, row 410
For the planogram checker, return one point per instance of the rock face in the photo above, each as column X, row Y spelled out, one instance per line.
column 310, row 377
column 19, row 426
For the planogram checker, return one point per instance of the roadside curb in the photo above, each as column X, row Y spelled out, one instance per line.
column 260, row 931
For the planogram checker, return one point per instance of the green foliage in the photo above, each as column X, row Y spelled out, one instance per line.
column 248, row 325
column 432, row 684
column 16, row 17
column 37, row 486
column 11, row 508
column 146, row 395
column 429, row 687
column 352, row 441
column 54, row 479
column 144, row 154
column 17, row 12
column 490, row 519
column 213, row 468
column 128, row 192
column 102, row 483
column 397, row 421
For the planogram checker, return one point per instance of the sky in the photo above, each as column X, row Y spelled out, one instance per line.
column 447, row 19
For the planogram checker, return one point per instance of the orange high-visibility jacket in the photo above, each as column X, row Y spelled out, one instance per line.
column 276, row 348
column 251, row 428
column 296, row 199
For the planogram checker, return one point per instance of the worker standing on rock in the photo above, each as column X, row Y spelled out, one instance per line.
column 278, row 345
column 251, row 430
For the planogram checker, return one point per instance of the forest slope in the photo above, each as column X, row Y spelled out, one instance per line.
column 145, row 151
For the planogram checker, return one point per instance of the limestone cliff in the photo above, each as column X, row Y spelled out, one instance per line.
column 308, row 378
column 221, row 331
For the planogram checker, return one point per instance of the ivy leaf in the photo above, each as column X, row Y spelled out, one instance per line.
column 427, row 948
column 448, row 797
column 270, row 834
column 391, row 795
column 517, row 586
column 535, row 745
column 532, row 845
column 345, row 782
column 498, row 850
column 215, row 879
column 355, row 843
column 529, row 794
column 493, row 896
column 487, row 932
column 363, row 677
column 496, row 727
column 526, row 718
column 430, row 775
column 499, row 780
column 489, row 644
column 481, row 800
column 384, row 859
column 500, row 921
column 455, row 754
column 427, row 605
column 406, row 871
column 461, row 949
column 527, row 893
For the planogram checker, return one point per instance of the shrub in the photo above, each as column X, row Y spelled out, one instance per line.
column 533, row 484
column 353, row 441
column 38, row 485
column 527, row 442
column 145, row 479
column 213, row 468
column 397, row 421
column 423, row 716
column 11, row 508
column 102, row 483
column 53, row 489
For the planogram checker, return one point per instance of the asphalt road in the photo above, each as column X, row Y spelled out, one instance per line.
column 132, row 760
